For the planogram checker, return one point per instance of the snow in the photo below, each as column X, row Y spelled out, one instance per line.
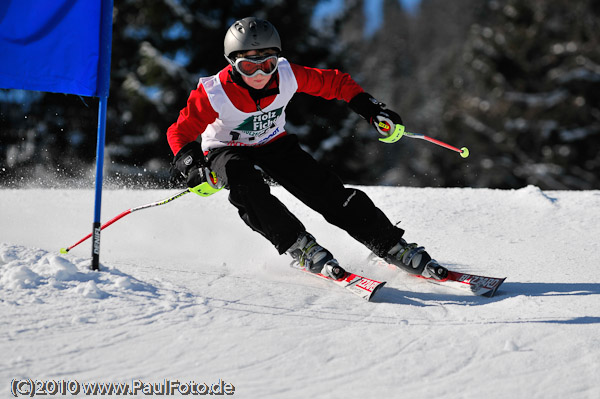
column 188, row 293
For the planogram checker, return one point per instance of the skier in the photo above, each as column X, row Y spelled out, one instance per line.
column 240, row 114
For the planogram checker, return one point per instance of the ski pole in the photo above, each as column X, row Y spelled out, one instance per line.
column 125, row 213
column 384, row 126
column 464, row 151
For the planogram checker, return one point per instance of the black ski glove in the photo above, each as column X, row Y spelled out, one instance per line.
column 375, row 112
column 189, row 164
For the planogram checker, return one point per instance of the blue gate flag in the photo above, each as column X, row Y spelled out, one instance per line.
column 61, row 46
column 52, row 45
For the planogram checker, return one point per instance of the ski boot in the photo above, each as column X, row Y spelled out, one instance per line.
column 311, row 256
column 415, row 260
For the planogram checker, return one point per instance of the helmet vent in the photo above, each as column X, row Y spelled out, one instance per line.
column 239, row 27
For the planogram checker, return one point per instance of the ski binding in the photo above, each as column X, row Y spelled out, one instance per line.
column 359, row 285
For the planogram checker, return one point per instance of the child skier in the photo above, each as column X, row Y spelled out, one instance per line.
column 240, row 113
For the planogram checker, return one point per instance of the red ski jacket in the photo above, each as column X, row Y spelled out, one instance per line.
column 198, row 113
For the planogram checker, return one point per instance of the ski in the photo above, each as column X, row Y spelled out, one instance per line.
column 471, row 283
column 359, row 285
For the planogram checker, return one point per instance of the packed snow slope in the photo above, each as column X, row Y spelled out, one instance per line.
column 187, row 292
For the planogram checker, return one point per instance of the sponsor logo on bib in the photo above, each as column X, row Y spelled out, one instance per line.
column 257, row 125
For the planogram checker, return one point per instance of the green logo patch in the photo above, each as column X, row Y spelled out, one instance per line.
column 257, row 125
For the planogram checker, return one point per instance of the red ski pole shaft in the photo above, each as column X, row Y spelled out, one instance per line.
column 464, row 152
column 123, row 214
column 105, row 225
column 441, row 143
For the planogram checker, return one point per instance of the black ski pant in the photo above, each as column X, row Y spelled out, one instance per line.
column 313, row 184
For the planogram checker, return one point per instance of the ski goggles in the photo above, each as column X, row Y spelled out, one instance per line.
column 252, row 66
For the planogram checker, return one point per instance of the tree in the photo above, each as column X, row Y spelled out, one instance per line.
column 528, row 94
column 515, row 81
column 160, row 49
column 381, row 64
